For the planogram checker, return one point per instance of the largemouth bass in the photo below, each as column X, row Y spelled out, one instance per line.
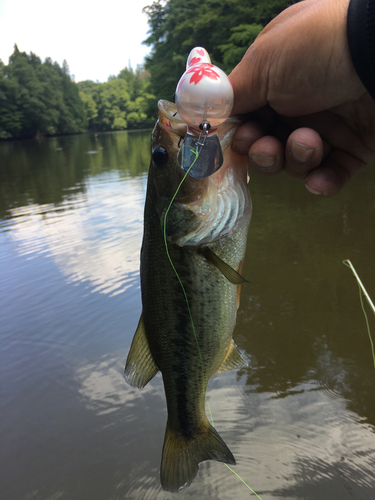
column 206, row 231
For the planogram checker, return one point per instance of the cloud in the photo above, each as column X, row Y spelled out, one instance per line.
column 97, row 40
column 94, row 240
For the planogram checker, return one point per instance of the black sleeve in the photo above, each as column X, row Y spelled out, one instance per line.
column 361, row 37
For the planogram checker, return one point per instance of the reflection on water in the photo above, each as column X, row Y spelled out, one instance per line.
column 299, row 419
column 93, row 227
column 92, row 237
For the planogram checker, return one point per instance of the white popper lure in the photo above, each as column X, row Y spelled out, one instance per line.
column 204, row 99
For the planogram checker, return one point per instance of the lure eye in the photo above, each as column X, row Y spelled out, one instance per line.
column 159, row 156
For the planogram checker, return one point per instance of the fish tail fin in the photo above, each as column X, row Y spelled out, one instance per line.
column 182, row 455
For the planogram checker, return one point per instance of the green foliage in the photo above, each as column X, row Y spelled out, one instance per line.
column 10, row 116
column 90, row 107
column 225, row 28
column 121, row 102
column 240, row 40
column 38, row 99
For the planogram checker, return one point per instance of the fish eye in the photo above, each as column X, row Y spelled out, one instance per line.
column 159, row 156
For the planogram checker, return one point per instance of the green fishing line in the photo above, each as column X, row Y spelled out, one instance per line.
column 188, row 305
column 171, row 262
column 362, row 291
column 239, row 477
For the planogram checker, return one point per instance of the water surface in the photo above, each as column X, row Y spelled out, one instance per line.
column 299, row 419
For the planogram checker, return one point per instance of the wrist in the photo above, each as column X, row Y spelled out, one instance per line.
column 361, row 39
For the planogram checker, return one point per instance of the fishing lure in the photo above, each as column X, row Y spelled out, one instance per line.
column 204, row 100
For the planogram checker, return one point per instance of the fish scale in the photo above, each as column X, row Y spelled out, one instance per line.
column 189, row 350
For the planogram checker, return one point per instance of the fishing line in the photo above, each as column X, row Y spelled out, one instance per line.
column 196, row 153
column 362, row 291
column 175, row 270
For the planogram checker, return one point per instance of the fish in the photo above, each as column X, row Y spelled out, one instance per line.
column 186, row 333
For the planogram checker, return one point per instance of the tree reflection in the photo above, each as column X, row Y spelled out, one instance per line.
column 300, row 318
column 49, row 171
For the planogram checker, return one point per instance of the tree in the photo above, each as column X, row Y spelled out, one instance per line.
column 40, row 98
column 73, row 119
column 90, row 108
column 240, row 40
column 222, row 27
column 10, row 116
column 121, row 102
column 37, row 98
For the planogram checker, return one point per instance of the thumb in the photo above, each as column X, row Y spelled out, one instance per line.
column 251, row 77
column 249, row 83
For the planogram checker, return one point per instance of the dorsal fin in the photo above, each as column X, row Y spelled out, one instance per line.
column 230, row 274
column 232, row 360
column 140, row 365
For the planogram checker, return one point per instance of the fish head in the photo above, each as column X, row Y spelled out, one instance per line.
column 199, row 210
column 166, row 139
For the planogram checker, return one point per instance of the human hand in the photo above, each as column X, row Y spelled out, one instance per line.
column 311, row 115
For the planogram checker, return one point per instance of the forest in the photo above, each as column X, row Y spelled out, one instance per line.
column 41, row 98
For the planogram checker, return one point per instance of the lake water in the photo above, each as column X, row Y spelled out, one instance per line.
column 300, row 419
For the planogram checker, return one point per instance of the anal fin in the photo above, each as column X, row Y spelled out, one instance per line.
column 232, row 360
column 140, row 365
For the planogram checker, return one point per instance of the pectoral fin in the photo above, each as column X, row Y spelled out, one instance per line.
column 232, row 360
column 140, row 366
column 233, row 276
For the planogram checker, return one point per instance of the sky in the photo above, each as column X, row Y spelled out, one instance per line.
column 97, row 39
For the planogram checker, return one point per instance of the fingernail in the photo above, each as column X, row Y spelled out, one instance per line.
column 300, row 152
column 264, row 161
column 313, row 191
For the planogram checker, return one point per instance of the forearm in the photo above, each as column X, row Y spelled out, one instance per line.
column 361, row 37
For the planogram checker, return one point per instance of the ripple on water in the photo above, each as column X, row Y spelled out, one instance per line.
column 93, row 238
column 291, row 447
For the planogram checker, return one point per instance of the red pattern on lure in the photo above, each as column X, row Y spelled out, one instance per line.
column 195, row 60
column 201, row 70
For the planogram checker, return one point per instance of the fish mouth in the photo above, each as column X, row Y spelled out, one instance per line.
column 225, row 201
column 170, row 121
